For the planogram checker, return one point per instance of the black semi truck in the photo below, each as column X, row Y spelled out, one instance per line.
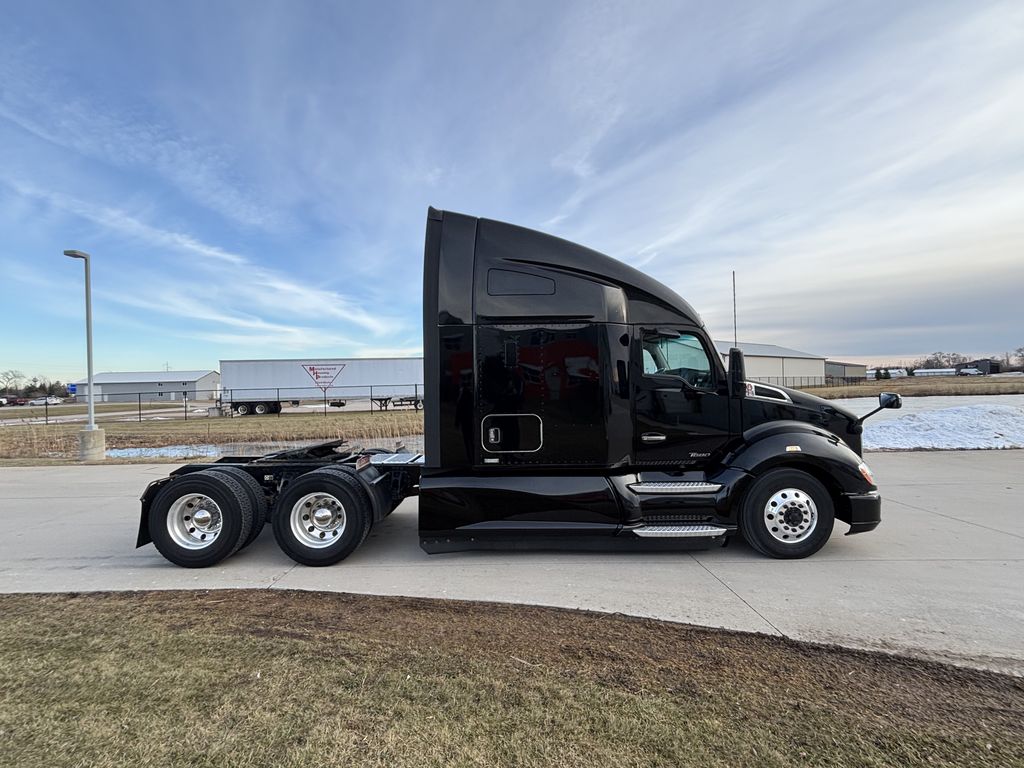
column 570, row 402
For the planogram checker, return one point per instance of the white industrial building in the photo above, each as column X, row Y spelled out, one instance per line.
column 773, row 364
column 147, row 386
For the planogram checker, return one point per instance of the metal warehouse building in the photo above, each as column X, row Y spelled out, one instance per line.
column 778, row 365
column 152, row 385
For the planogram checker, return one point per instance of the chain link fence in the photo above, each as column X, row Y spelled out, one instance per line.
column 189, row 403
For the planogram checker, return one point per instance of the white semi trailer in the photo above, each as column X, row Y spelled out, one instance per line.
column 262, row 386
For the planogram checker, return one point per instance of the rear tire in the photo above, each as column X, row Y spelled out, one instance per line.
column 261, row 409
column 257, row 499
column 322, row 517
column 787, row 514
column 242, row 409
column 198, row 519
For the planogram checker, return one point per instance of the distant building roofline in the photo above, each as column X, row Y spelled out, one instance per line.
column 145, row 377
column 753, row 349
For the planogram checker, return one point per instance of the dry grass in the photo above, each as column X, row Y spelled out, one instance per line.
column 912, row 386
column 61, row 440
column 39, row 411
column 257, row 678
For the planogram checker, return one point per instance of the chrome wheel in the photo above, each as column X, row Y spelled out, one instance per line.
column 317, row 520
column 261, row 409
column 194, row 521
column 790, row 515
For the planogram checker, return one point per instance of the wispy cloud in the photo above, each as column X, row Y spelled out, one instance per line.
column 221, row 287
column 62, row 113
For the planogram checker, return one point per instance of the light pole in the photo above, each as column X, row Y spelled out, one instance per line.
column 91, row 440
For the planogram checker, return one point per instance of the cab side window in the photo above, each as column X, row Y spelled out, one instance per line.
column 678, row 355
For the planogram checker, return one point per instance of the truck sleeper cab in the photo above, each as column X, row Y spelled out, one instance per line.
column 570, row 402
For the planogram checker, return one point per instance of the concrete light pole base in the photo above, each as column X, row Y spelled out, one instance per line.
column 92, row 444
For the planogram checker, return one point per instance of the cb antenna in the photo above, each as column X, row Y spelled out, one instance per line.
column 735, row 336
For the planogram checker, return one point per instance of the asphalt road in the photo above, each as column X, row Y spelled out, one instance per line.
column 943, row 577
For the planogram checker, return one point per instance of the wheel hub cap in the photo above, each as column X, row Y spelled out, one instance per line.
column 194, row 521
column 790, row 515
column 317, row 520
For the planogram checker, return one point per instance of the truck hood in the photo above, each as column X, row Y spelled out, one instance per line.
column 803, row 407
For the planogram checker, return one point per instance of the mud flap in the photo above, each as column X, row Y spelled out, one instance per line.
column 147, row 499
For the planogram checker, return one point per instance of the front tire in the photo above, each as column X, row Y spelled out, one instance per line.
column 787, row 514
column 198, row 519
column 242, row 409
column 321, row 517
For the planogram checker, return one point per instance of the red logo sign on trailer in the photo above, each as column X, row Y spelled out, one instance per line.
column 324, row 375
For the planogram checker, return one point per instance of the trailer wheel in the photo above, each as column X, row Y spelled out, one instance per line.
column 261, row 409
column 198, row 519
column 242, row 409
column 787, row 514
column 321, row 517
column 257, row 499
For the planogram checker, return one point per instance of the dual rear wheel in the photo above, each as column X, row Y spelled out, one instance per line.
column 322, row 517
column 260, row 409
column 197, row 520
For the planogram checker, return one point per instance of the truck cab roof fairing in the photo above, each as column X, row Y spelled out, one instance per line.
column 456, row 278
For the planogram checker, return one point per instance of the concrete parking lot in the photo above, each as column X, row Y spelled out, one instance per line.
column 943, row 577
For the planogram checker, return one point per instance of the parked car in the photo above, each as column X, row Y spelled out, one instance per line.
column 48, row 400
column 969, row 372
column 17, row 400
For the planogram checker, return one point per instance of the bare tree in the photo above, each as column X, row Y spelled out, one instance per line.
column 11, row 379
column 1019, row 353
column 941, row 360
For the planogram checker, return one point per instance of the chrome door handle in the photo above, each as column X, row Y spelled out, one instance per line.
column 494, row 436
column 652, row 437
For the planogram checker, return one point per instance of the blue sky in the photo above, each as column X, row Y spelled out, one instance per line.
column 252, row 178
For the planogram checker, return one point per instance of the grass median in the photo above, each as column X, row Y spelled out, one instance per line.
column 61, row 440
column 255, row 678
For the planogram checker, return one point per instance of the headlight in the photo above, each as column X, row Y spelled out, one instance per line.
column 866, row 473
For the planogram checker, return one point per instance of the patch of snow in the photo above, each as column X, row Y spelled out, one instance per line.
column 962, row 427
column 164, row 452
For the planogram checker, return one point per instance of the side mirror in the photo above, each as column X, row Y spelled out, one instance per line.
column 890, row 400
column 885, row 400
column 738, row 373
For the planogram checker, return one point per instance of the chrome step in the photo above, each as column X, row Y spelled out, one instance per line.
column 680, row 486
column 681, row 531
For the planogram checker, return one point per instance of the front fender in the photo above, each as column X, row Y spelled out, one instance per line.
column 804, row 447
column 801, row 446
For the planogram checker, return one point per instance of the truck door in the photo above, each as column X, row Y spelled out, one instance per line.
column 681, row 399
